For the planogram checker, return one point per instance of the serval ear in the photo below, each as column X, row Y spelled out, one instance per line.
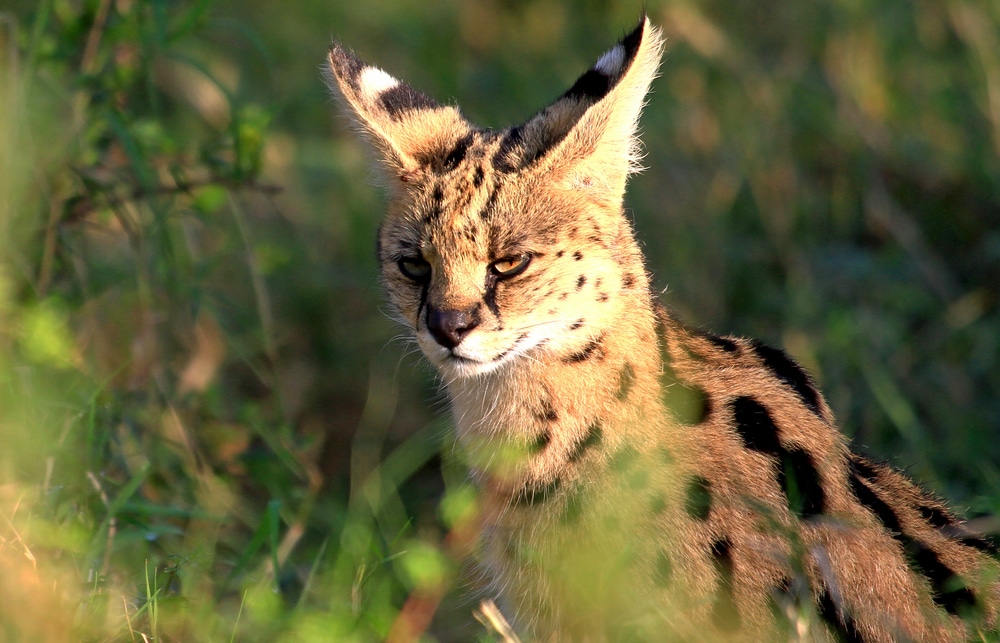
column 411, row 130
column 587, row 136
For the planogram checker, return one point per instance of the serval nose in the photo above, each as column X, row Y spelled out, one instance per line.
column 449, row 327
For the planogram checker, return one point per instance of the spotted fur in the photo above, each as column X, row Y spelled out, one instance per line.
column 640, row 480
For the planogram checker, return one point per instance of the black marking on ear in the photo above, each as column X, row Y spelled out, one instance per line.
column 536, row 493
column 594, row 348
column 841, row 626
column 402, row 98
column 725, row 613
column 948, row 590
column 595, row 432
column 789, row 372
column 663, row 569
column 698, row 498
column 755, row 426
column 631, row 44
column 690, row 403
column 348, row 62
column 626, row 378
column 593, row 85
column 808, row 498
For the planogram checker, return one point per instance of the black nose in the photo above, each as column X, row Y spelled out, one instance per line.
column 449, row 326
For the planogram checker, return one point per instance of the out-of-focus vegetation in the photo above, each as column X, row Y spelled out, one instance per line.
column 208, row 433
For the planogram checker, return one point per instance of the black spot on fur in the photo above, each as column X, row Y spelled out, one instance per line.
column 692, row 353
column 663, row 569
column 489, row 209
column 982, row 543
column 841, row 626
column 540, row 442
column 808, row 498
column 580, row 281
column 505, row 159
column 626, row 378
column 546, row 412
column 403, row 98
column 628, row 281
column 594, row 434
column 788, row 372
column 560, row 253
column 457, row 155
column 948, row 589
column 623, row 459
column 936, row 516
column 638, row 478
column 577, row 255
column 724, row 343
column 577, row 325
column 478, row 177
column 804, row 489
column 755, row 426
column 725, row 614
column 657, row 504
column 863, row 468
column 690, row 404
column 535, row 494
column 603, row 297
column 593, row 349
column 698, row 498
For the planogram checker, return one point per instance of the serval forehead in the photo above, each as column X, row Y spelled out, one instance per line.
column 472, row 196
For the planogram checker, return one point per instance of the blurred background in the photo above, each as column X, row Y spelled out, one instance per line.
column 210, row 429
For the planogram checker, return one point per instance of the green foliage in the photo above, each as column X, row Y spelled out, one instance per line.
column 206, row 435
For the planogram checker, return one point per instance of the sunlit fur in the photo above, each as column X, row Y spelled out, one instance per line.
column 640, row 481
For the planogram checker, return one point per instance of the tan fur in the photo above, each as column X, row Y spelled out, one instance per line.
column 640, row 481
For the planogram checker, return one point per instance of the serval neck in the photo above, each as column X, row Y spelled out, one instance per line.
column 526, row 425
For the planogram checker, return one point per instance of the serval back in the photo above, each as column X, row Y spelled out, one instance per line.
column 640, row 480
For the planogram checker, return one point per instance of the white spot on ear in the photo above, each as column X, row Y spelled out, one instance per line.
column 374, row 81
column 611, row 62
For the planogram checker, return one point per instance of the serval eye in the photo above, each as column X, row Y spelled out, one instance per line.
column 511, row 266
column 415, row 268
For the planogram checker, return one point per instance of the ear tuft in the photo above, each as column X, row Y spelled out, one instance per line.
column 406, row 126
column 588, row 133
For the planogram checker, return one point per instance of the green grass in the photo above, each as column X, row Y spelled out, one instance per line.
column 208, row 432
